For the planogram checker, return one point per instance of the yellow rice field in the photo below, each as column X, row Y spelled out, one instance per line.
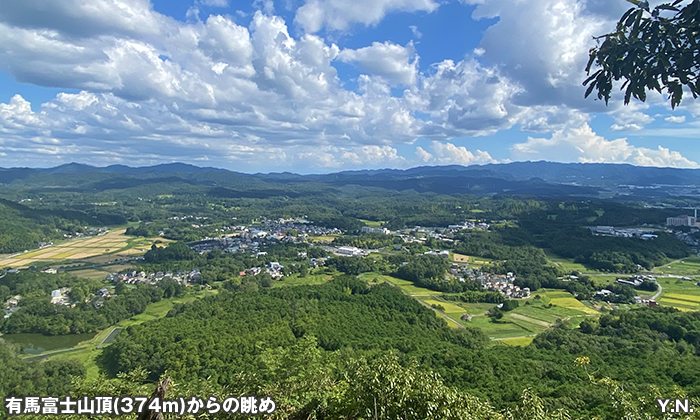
column 674, row 302
column 449, row 307
column 571, row 302
column 77, row 249
column 460, row 258
column 680, row 296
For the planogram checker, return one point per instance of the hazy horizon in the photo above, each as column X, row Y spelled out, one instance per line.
column 332, row 172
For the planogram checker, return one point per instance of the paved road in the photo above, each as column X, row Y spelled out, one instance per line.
column 658, row 292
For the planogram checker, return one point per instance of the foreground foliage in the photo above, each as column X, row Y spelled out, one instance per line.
column 651, row 49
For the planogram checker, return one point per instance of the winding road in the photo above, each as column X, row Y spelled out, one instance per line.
column 658, row 292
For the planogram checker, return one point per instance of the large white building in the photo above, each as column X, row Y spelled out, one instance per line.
column 683, row 220
column 349, row 251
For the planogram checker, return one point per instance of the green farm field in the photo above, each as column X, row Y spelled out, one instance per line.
column 476, row 308
column 520, row 341
column 497, row 330
column 686, row 267
column 309, row 279
column 673, row 287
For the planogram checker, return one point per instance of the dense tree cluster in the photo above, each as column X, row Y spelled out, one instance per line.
column 89, row 313
column 430, row 271
column 21, row 377
column 476, row 296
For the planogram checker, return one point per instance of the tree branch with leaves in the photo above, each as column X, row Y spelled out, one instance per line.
column 651, row 50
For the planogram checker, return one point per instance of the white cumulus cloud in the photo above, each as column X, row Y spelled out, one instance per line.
column 583, row 145
column 392, row 62
column 339, row 15
column 675, row 119
column 449, row 154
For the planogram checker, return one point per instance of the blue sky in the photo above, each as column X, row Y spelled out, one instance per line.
column 316, row 86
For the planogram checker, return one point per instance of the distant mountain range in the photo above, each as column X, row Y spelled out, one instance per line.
column 532, row 178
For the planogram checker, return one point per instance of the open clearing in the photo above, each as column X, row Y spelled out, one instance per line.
column 477, row 308
column 310, row 279
column 460, row 258
column 567, row 264
column 522, row 322
column 325, row 238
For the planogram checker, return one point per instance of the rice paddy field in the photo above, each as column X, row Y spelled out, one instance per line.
column 680, row 294
column 111, row 246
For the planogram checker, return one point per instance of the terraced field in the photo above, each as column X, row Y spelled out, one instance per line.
column 521, row 323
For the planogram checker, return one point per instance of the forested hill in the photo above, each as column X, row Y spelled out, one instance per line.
column 235, row 340
column 22, row 227
column 235, row 327
column 533, row 178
